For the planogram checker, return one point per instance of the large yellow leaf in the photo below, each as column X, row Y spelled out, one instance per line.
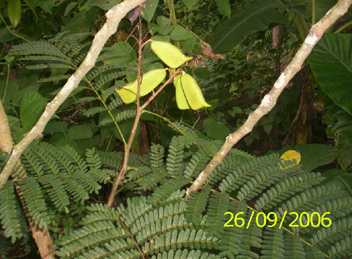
column 169, row 54
column 150, row 81
column 188, row 93
column 181, row 100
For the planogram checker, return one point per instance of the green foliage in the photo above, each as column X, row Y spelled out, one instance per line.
column 340, row 130
column 258, row 15
column 32, row 106
column 11, row 217
column 332, row 59
column 224, row 7
column 57, row 180
column 138, row 228
column 149, row 10
column 157, row 224
column 154, row 218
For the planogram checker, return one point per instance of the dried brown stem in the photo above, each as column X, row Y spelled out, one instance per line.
column 269, row 100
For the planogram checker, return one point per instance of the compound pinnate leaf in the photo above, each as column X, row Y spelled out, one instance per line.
column 169, row 54
column 188, row 93
column 150, row 81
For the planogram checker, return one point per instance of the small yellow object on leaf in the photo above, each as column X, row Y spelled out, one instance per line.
column 169, row 54
column 188, row 93
column 292, row 155
column 150, row 81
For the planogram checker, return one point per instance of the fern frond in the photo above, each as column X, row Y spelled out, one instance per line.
column 35, row 202
column 286, row 189
column 11, row 217
column 156, row 156
column 93, row 159
column 56, row 191
column 196, row 206
column 174, row 162
column 167, row 188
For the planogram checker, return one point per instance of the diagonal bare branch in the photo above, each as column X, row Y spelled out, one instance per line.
column 5, row 133
column 113, row 18
column 269, row 100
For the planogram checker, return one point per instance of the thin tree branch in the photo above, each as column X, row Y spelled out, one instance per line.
column 114, row 16
column 269, row 100
column 41, row 237
column 127, row 147
column 139, row 111
column 5, row 133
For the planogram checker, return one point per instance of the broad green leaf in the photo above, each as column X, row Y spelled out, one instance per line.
column 224, row 7
column 150, row 81
column 149, row 9
column 32, row 106
column 331, row 63
column 191, row 4
column 314, row 155
column 29, row 3
column 47, row 6
column 321, row 7
column 14, row 11
column 162, row 27
column 120, row 54
column 169, row 54
column 188, row 93
column 103, row 4
column 78, row 132
column 255, row 16
column 291, row 155
column 70, row 7
column 215, row 129
column 180, row 34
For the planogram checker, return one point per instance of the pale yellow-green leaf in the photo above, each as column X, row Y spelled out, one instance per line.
column 169, row 54
column 14, row 11
column 181, row 100
column 150, row 81
column 188, row 93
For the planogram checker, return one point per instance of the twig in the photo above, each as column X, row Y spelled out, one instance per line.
column 139, row 111
column 269, row 100
column 5, row 133
column 114, row 16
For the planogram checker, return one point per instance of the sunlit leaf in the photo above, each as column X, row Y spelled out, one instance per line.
column 188, row 93
column 150, row 81
column 149, row 9
column 169, row 54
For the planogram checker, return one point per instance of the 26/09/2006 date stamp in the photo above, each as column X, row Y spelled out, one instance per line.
column 274, row 219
